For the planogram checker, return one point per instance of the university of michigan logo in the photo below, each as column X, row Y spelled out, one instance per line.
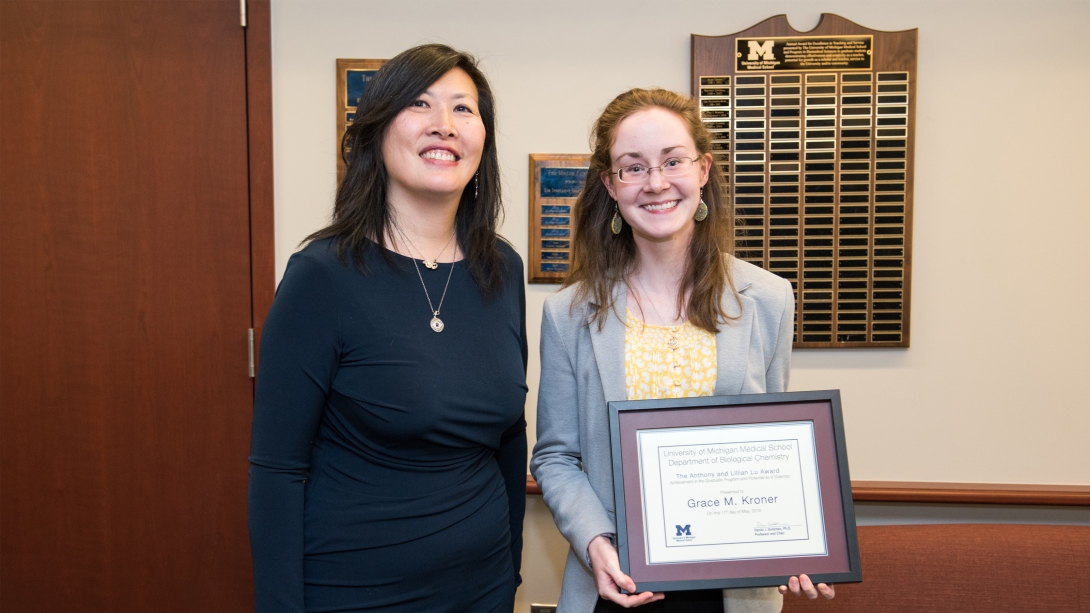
column 683, row 530
column 761, row 51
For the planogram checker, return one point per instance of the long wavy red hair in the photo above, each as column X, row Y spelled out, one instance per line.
column 601, row 260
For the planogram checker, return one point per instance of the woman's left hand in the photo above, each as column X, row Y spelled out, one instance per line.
column 802, row 585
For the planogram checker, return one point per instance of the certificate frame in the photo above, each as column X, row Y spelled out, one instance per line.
column 821, row 409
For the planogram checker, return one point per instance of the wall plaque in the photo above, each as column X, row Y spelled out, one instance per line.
column 555, row 183
column 804, row 53
column 352, row 79
column 815, row 132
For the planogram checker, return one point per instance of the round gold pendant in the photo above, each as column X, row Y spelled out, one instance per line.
column 431, row 264
column 436, row 324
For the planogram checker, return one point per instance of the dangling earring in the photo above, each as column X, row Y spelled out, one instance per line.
column 476, row 183
column 617, row 222
column 701, row 209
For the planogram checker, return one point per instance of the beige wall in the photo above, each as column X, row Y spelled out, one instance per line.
column 992, row 389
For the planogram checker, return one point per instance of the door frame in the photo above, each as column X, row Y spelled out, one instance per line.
column 260, row 135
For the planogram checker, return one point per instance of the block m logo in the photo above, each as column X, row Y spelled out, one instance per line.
column 761, row 52
column 683, row 530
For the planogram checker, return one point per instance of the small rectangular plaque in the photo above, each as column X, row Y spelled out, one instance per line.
column 561, row 182
column 353, row 76
column 798, row 53
column 555, row 183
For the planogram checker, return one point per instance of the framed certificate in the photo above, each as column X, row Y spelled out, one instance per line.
column 733, row 491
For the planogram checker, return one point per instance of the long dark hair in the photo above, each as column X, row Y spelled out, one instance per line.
column 601, row 260
column 361, row 218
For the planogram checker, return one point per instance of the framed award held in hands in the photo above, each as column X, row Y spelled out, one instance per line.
column 733, row 491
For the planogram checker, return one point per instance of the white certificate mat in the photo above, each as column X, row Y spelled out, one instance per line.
column 730, row 492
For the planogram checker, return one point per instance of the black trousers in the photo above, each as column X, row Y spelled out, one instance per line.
column 695, row 601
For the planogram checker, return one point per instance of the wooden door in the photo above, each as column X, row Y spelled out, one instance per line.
column 125, row 262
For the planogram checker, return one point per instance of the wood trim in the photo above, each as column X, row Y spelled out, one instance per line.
column 971, row 493
column 952, row 493
column 259, row 131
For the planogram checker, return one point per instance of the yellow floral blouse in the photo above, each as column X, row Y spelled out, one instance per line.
column 667, row 361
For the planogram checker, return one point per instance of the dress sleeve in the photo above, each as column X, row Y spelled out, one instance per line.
column 511, row 455
column 299, row 358
column 557, row 460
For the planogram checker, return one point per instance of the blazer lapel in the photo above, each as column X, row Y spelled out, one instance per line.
column 732, row 342
column 608, row 345
column 731, row 345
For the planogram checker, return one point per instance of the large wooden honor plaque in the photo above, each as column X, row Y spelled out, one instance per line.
column 815, row 132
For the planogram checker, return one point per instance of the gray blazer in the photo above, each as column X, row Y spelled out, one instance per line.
column 582, row 368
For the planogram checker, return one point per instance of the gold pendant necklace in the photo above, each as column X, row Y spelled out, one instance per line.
column 429, row 264
column 435, row 324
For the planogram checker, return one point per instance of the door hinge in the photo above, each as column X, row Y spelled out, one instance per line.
column 250, row 342
column 242, row 12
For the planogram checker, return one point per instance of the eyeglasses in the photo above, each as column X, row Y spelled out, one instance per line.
column 673, row 167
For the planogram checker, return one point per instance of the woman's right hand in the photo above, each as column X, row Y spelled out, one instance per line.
column 610, row 579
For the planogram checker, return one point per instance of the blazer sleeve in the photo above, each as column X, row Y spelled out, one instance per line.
column 557, row 459
column 778, row 369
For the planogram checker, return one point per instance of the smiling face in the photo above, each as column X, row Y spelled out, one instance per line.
column 659, row 208
column 433, row 147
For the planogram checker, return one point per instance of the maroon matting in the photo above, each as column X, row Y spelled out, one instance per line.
column 818, row 413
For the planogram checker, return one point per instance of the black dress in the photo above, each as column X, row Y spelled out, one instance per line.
column 388, row 461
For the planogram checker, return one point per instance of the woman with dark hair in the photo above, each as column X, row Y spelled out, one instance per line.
column 388, row 448
column 655, row 307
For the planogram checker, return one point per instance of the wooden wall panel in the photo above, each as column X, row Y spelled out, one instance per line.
column 125, row 265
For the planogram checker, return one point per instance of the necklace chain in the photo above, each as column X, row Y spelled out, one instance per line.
column 672, row 342
column 435, row 323
column 429, row 264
